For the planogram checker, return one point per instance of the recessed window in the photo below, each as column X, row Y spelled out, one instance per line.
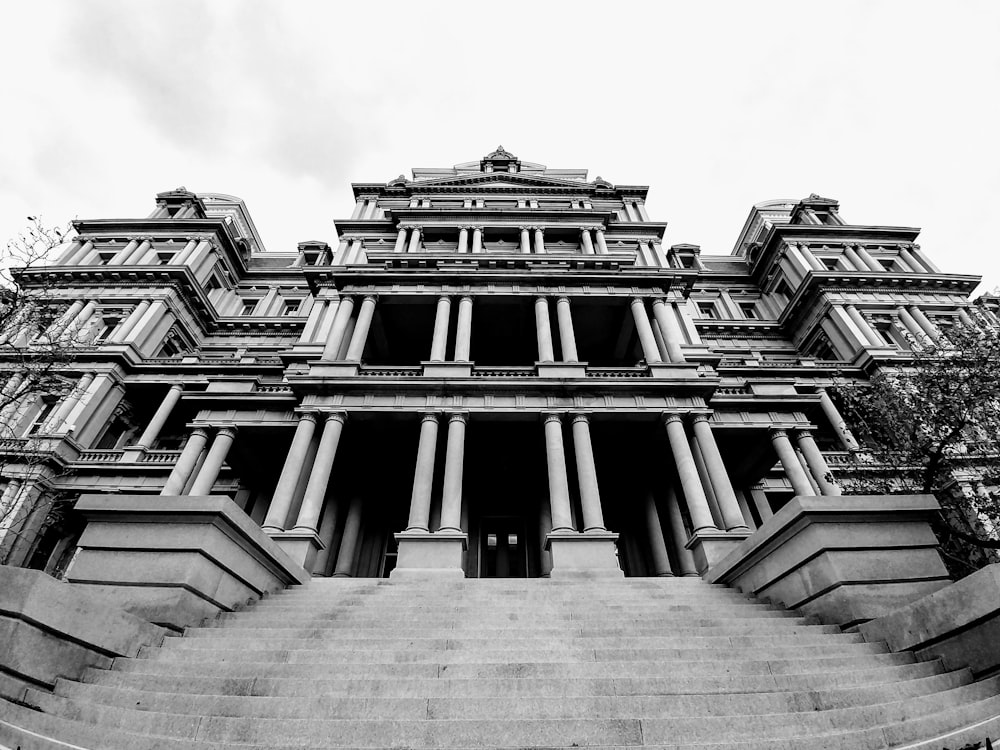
column 830, row 264
column 291, row 307
column 163, row 259
column 749, row 310
column 103, row 258
column 249, row 305
column 707, row 310
column 888, row 264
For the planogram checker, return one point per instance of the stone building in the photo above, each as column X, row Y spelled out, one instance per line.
column 499, row 370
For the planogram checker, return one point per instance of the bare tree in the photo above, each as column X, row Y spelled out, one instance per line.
column 933, row 423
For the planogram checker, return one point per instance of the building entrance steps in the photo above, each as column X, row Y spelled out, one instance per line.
column 656, row 663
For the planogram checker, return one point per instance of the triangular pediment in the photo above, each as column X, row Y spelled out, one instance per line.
column 500, row 180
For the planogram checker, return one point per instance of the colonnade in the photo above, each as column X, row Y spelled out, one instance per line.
column 532, row 239
column 857, row 258
column 140, row 251
column 910, row 321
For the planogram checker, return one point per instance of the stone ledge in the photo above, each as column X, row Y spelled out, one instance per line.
column 50, row 629
column 177, row 560
column 845, row 559
column 959, row 624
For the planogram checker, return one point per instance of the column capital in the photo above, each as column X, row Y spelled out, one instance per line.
column 444, row 295
column 458, row 416
column 562, row 298
column 372, row 297
column 541, row 297
column 229, row 430
column 636, row 299
column 778, row 432
column 580, row 417
column 802, row 432
column 464, row 297
column 429, row 416
column 199, row 430
column 310, row 416
column 552, row 416
column 672, row 416
column 699, row 417
column 336, row 416
column 175, row 386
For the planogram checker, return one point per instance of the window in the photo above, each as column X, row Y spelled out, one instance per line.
column 887, row 333
column 45, row 409
column 888, row 264
column 249, row 305
column 707, row 310
column 107, row 325
column 749, row 310
column 830, row 264
column 163, row 258
column 103, row 258
column 291, row 307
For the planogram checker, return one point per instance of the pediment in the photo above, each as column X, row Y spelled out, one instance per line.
column 501, row 180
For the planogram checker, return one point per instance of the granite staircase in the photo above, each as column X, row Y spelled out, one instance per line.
column 669, row 662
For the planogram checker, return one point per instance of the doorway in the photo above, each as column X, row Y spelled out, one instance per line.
column 504, row 549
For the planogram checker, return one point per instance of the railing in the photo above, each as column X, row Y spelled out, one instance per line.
column 273, row 388
column 161, row 456
column 617, row 372
column 733, row 390
column 390, row 372
column 99, row 457
column 503, row 372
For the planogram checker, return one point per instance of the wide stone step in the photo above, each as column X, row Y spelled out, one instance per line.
column 485, row 687
column 412, row 599
column 580, row 705
column 430, row 733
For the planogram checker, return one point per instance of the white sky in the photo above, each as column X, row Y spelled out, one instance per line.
column 890, row 107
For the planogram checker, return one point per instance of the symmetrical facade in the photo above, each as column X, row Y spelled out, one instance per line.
column 498, row 370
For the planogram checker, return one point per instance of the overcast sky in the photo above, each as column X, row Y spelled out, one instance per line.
column 889, row 107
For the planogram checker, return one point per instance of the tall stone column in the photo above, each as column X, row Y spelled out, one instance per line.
column 463, row 239
column 650, row 351
column 525, row 240
column 816, row 463
column 666, row 319
column 911, row 261
column 864, row 326
column 182, row 257
column 790, row 462
column 209, row 471
column 567, row 337
column 687, row 473
column 340, row 322
column 544, row 529
column 133, row 319
column 678, row 536
column 400, row 240
column 423, row 476
column 657, row 545
column 586, row 470
column 811, row 259
column 586, row 242
column 161, row 416
column 732, row 516
column 539, row 241
column 602, row 243
column 121, row 255
column 762, row 505
column 319, row 477
column 55, row 421
column 477, row 239
column 442, row 318
column 284, row 492
column 966, row 318
column 543, row 330
column 911, row 325
column 924, row 260
column 463, row 330
column 186, row 462
column 840, row 427
column 854, row 259
column 360, row 337
column 349, row 540
column 415, row 238
column 454, row 459
column 555, row 461
column 924, row 322
column 873, row 265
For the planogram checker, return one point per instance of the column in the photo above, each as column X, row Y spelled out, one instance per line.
column 360, row 337
column 181, row 257
column 657, row 546
column 477, row 239
column 555, row 461
column 762, row 505
column 525, row 240
column 911, row 325
column 666, row 319
column 132, row 320
column 539, row 241
column 454, row 459
column 544, row 529
column 816, row 463
column 924, row 260
column 732, row 516
column 790, row 462
column 588, row 245
column 415, row 233
column 349, row 540
column 873, row 265
column 839, row 425
column 213, row 461
column 463, row 239
column 319, row 477
column 687, row 472
column 602, row 244
column 159, row 419
column 706, row 483
column 864, row 327
column 423, row 476
column 186, row 462
column 463, row 331
column 854, row 259
column 907, row 258
column 340, row 323
column 966, row 319
column 678, row 536
column 650, row 351
column 400, row 240
column 586, row 470
column 543, row 330
column 924, row 322
column 567, row 337
column 811, row 259
column 68, row 403
column 121, row 255
column 442, row 317
column 284, row 492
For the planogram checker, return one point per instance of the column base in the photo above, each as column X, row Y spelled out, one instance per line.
column 301, row 545
column 334, row 369
column 709, row 546
column 588, row 555
column 425, row 554
column 447, row 369
column 674, row 370
column 561, row 369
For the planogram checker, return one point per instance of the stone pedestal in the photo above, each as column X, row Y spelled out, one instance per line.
column 709, row 546
column 300, row 545
column 177, row 560
column 447, row 369
column 334, row 369
column 846, row 559
column 673, row 370
column 561, row 369
column 423, row 554
column 583, row 555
